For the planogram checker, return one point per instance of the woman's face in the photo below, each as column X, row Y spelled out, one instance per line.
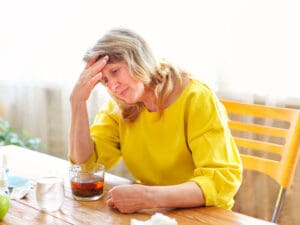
column 120, row 82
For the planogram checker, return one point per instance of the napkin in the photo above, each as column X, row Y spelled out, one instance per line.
column 156, row 219
column 19, row 187
column 20, row 192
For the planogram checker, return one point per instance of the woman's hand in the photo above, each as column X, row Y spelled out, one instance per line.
column 129, row 198
column 90, row 76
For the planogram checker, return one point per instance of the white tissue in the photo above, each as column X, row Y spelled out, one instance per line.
column 156, row 219
column 20, row 192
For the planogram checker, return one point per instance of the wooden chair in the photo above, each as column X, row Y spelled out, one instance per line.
column 281, row 170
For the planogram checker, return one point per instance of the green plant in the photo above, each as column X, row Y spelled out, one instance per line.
column 9, row 136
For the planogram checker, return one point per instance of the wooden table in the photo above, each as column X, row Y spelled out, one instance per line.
column 32, row 165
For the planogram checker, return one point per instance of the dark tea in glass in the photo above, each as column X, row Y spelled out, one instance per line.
column 87, row 183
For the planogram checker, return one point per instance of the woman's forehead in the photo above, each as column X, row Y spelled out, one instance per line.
column 110, row 66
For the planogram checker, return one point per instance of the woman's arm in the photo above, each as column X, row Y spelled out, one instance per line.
column 81, row 143
column 135, row 197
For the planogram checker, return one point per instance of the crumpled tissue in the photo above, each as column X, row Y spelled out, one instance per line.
column 156, row 219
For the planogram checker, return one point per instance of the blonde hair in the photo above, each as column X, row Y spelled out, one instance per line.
column 129, row 47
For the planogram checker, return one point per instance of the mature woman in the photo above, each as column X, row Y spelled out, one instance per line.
column 169, row 128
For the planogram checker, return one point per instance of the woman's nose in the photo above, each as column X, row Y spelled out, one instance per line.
column 112, row 85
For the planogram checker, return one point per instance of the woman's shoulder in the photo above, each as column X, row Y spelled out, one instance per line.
column 201, row 99
column 198, row 95
column 196, row 88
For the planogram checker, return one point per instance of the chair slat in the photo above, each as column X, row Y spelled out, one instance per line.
column 259, row 145
column 263, row 111
column 259, row 129
column 266, row 166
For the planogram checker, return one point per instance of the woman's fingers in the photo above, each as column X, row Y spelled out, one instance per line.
column 91, row 61
column 96, row 62
column 110, row 203
column 96, row 79
column 109, row 200
column 95, row 68
column 98, row 65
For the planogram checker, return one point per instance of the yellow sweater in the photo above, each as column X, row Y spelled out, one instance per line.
column 190, row 142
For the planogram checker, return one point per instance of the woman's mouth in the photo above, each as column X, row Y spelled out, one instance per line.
column 123, row 92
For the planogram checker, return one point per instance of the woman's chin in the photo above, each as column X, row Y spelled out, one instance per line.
column 129, row 101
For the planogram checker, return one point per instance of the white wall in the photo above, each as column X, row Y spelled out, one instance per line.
column 232, row 44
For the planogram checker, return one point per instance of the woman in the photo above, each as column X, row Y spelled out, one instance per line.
column 169, row 128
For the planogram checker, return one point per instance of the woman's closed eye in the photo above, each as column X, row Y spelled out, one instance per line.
column 115, row 71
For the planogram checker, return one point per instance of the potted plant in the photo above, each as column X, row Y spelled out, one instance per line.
column 10, row 137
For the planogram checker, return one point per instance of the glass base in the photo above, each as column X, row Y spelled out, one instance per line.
column 93, row 198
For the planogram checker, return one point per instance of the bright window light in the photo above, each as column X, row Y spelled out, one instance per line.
column 247, row 45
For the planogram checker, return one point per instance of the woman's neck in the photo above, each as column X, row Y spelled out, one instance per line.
column 149, row 101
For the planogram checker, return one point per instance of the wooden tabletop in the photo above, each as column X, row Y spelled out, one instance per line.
column 33, row 165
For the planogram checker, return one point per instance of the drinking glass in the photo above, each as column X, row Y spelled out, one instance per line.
column 87, row 181
column 50, row 193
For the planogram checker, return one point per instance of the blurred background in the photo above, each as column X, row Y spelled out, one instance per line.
column 246, row 50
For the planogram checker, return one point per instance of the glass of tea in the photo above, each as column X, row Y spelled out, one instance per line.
column 87, row 181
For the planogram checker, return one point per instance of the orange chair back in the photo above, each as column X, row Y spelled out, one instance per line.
column 282, row 166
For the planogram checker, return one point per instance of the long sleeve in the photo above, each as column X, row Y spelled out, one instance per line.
column 105, row 134
column 218, row 168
